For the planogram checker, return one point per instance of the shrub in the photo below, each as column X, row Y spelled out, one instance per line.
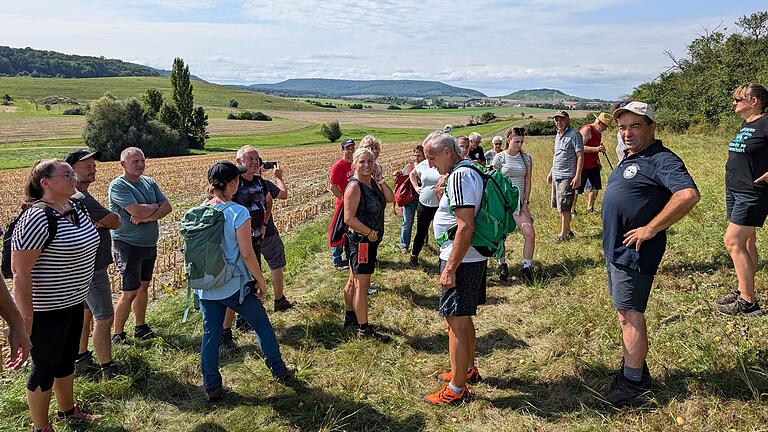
column 487, row 117
column 331, row 130
column 393, row 107
column 74, row 111
column 233, row 103
column 356, row 106
column 249, row 115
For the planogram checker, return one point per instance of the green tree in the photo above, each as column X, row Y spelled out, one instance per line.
column 198, row 132
column 153, row 100
column 331, row 130
column 181, row 94
column 233, row 103
column 169, row 116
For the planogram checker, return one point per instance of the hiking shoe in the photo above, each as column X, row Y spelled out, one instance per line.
column 341, row 265
column 110, row 371
column 503, row 271
column 565, row 238
column 214, row 395
column 290, row 372
column 414, row 261
column 227, row 341
column 473, row 376
column 242, row 324
column 527, row 274
column 741, row 307
column 120, row 339
column 85, row 365
column 729, row 298
column 143, row 332
column 46, row 428
column 350, row 321
column 446, row 396
column 404, row 248
column 370, row 333
column 623, row 392
column 76, row 415
column 283, row 305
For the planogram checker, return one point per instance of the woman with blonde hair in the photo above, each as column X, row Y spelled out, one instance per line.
column 746, row 196
column 365, row 199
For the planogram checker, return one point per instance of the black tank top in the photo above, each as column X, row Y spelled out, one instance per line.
column 370, row 210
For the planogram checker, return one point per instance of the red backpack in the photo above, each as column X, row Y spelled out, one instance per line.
column 404, row 191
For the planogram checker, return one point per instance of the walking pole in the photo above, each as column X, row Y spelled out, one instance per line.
column 608, row 159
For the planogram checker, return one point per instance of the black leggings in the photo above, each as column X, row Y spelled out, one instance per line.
column 424, row 215
column 55, row 342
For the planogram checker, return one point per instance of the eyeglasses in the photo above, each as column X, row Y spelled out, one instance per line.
column 69, row 176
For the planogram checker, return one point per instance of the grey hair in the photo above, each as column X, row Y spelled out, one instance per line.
column 361, row 151
column 241, row 151
column 128, row 152
column 497, row 140
column 475, row 137
column 444, row 140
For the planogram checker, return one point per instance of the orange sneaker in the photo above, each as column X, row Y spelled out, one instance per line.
column 473, row 376
column 446, row 396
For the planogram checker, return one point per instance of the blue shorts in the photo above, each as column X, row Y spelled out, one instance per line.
column 746, row 209
column 469, row 292
column 629, row 289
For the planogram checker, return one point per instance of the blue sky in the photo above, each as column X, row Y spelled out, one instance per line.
column 597, row 48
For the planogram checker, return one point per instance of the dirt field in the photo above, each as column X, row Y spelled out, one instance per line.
column 15, row 128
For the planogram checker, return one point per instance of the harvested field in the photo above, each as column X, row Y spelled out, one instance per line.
column 15, row 128
column 248, row 127
column 373, row 119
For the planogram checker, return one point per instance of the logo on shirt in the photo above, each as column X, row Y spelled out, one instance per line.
column 631, row 171
column 739, row 145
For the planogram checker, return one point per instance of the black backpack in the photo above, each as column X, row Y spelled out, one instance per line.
column 53, row 226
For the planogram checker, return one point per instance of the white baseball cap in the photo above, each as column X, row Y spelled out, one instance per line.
column 639, row 108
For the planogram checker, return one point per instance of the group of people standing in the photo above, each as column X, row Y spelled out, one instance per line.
column 64, row 239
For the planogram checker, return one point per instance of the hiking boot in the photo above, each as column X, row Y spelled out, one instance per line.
column 370, row 333
column 215, row 395
column 76, row 415
column 623, row 392
column 242, row 324
column 446, row 396
column 84, row 365
column 729, row 298
column 414, row 261
column 227, row 341
column 527, row 274
column 110, row 371
column 473, row 376
column 283, row 304
column 350, row 321
column 503, row 271
column 119, row 339
column 290, row 372
column 143, row 332
column 741, row 307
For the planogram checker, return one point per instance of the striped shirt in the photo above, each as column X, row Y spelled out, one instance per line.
column 564, row 160
column 463, row 188
column 63, row 271
column 514, row 168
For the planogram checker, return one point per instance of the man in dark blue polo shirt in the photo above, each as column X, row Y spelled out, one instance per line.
column 647, row 192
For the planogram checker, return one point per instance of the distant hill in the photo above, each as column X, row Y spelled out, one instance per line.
column 52, row 64
column 86, row 89
column 318, row 87
column 541, row 95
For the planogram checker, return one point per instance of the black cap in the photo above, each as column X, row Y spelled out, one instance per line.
column 347, row 142
column 80, row 155
column 223, row 172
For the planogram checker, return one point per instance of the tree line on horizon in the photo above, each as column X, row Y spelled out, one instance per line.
column 51, row 64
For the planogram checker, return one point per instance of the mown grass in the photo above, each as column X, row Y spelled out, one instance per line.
column 545, row 350
column 86, row 89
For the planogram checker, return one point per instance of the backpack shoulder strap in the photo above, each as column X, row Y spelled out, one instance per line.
column 52, row 221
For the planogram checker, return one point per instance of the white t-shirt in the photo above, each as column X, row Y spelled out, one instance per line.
column 429, row 177
column 463, row 188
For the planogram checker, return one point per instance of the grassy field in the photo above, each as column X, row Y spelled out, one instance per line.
column 85, row 89
column 545, row 350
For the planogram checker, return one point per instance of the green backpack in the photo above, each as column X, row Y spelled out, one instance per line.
column 202, row 232
column 496, row 216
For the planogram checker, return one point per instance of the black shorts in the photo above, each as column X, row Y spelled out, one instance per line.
column 354, row 256
column 746, row 209
column 629, row 289
column 592, row 176
column 55, row 343
column 469, row 292
column 135, row 264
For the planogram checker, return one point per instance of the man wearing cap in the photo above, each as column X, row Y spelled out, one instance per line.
column 341, row 172
column 140, row 203
column 647, row 192
column 591, row 136
column 565, row 175
column 98, row 304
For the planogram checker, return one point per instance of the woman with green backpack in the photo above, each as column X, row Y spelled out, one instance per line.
column 243, row 292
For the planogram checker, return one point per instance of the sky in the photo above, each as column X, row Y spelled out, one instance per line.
column 588, row 48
